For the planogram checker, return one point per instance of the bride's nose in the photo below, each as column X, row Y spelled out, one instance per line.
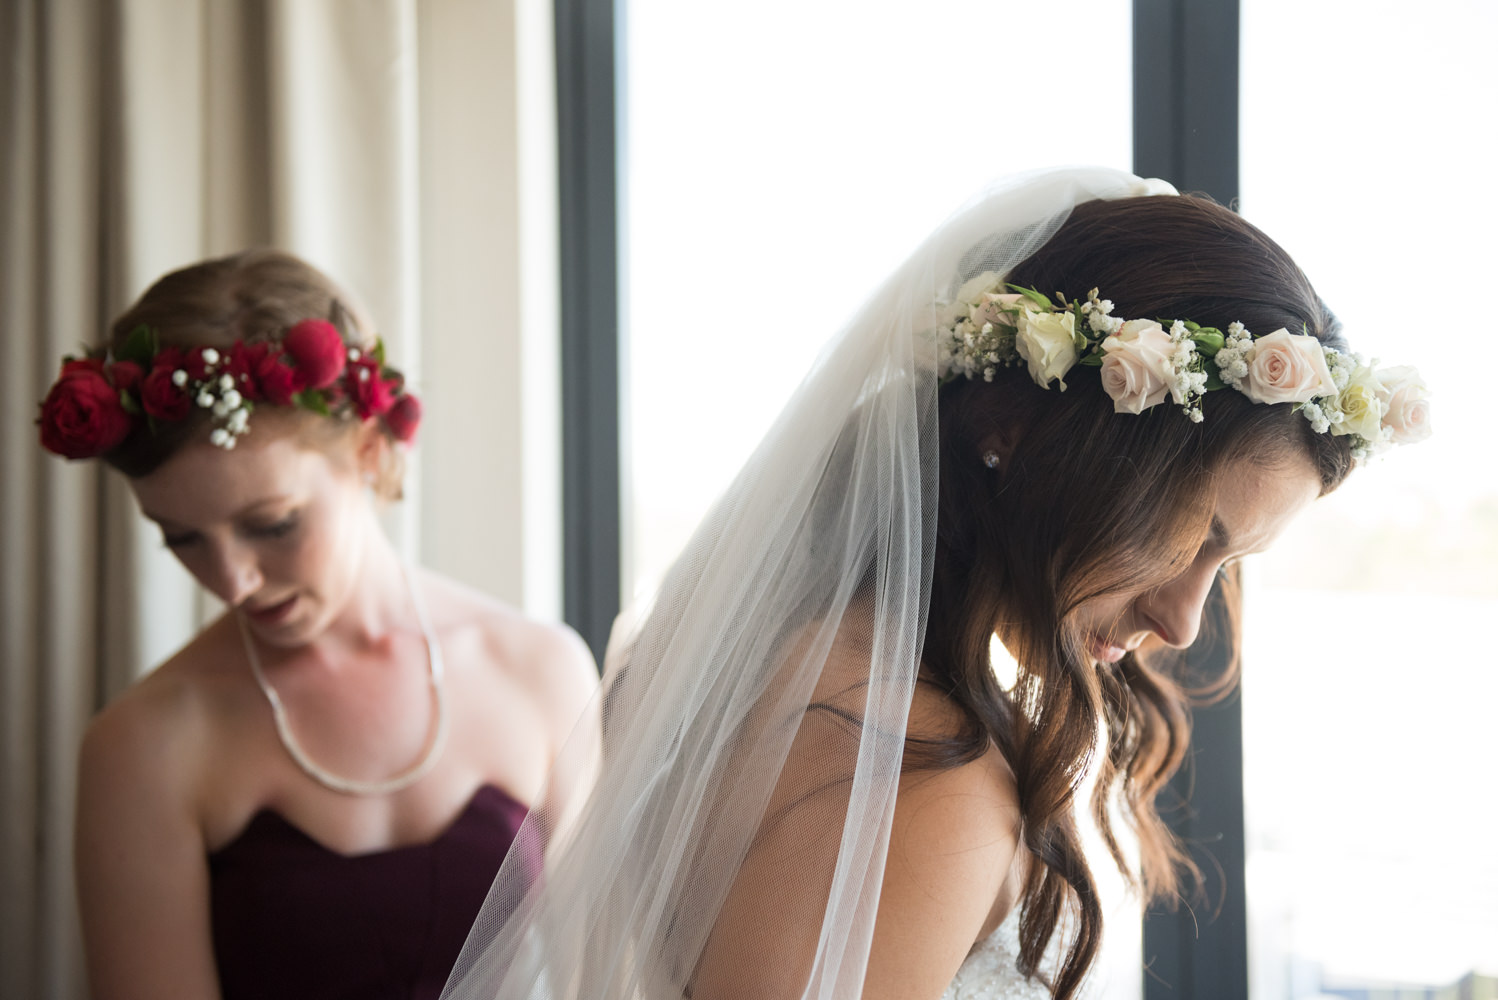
column 1175, row 610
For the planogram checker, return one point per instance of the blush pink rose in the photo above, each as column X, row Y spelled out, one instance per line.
column 1287, row 368
column 1136, row 366
column 990, row 308
column 1408, row 414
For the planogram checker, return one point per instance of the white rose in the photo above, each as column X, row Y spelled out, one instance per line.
column 1137, row 372
column 1407, row 413
column 1361, row 406
column 1287, row 368
column 1047, row 342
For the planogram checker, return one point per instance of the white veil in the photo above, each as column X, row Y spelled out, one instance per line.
column 754, row 714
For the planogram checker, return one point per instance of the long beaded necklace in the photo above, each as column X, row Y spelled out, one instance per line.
column 352, row 786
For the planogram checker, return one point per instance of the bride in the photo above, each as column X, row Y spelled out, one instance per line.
column 1060, row 423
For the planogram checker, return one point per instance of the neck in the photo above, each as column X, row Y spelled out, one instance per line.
column 378, row 605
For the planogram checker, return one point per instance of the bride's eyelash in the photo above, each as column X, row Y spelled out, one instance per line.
column 176, row 541
column 1227, row 566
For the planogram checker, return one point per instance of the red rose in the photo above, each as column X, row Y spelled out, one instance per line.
column 278, row 381
column 82, row 416
column 160, row 396
column 169, row 357
column 72, row 366
column 403, row 418
column 193, row 362
column 264, row 373
column 317, row 350
column 125, row 375
column 241, row 364
column 371, row 395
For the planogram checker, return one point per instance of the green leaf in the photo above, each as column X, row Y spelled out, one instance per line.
column 1033, row 296
column 1209, row 343
column 1191, row 326
column 314, row 400
column 128, row 403
column 140, row 346
column 1213, row 382
column 1091, row 361
column 378, row 353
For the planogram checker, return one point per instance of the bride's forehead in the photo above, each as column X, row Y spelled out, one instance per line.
column 1254, row 499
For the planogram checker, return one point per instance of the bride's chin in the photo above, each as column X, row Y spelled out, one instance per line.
column 1102, row 651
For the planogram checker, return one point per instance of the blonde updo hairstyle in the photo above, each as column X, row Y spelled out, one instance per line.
column 254, row 295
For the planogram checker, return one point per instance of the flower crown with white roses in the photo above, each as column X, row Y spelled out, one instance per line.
column 98, row 400
column 993, row 324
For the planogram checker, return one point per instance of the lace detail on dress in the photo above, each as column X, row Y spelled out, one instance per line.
column 991, row 970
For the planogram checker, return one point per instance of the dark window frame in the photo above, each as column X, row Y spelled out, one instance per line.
column 587, row 40
column 1186, row 131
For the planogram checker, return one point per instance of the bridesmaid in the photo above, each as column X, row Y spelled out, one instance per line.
column 312, row 796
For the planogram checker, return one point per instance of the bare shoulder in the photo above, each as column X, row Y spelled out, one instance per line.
column 952, row 850
column 548, row 660
column 159, row 728
column 146, row 761
column 972, row 809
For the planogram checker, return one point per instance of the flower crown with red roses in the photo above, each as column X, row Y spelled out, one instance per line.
column 992, row 324
column 99, row 399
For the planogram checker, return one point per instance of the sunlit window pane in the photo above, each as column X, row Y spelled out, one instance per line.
column 779, row 158
column 1371, row 763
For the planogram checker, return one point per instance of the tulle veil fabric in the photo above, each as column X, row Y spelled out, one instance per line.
column 732, row 840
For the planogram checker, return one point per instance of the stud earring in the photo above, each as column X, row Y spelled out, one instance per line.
column 991, row 459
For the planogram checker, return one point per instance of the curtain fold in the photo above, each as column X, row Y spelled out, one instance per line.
column 141, row 135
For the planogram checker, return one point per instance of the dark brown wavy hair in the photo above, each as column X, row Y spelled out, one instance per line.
column 253, row 295
column 1092, row 503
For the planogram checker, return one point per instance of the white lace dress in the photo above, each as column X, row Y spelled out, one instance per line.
column 991, row 971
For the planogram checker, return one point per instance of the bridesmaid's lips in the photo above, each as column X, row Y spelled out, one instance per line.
column 274, row 614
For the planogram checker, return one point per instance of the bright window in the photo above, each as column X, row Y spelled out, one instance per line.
column 1369, row 686
column 778, row 159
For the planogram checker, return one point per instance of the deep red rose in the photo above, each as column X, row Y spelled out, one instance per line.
column 162, row 398
column 82, row 416
column 170, row 358
column 264, row 373
column 318, row 351
column 192, row 362
column 241, row 364
column 125, row 375
column 404, row 417
column 371, row 395
column 72, row 366
column 278, row 381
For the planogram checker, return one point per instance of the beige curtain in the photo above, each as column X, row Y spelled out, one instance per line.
column 140, row 135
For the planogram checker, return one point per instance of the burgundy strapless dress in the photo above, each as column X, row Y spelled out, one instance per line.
column 292, row 918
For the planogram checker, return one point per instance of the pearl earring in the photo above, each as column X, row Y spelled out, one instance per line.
column 991, row 459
